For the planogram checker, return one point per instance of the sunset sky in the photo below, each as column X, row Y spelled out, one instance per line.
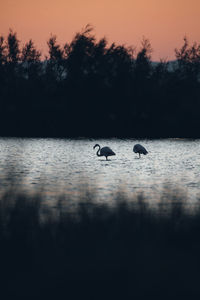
column 165, row 23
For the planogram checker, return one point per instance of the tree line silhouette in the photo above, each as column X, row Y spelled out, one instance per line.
column 92, row 89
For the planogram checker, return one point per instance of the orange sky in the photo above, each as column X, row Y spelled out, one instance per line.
column 164, row 22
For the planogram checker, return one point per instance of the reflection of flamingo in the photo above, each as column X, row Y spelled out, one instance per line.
column 139, row 149
column 105, row 151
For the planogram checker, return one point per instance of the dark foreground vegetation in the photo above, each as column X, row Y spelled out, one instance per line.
column 92, row 89
column 126, row 251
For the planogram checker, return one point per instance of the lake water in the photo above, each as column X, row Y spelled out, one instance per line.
column 68, row 166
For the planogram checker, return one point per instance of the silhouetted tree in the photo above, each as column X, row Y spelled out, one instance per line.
column 12, row 63
column 55, row 52
column 55, row 63
column 142, row 89
column 30, row 54
column 13, row 48
column 188, row 58
column 143, row 65
column 30, row 59
column 2, row 51
column 118, row 77
column 79, row 54
column 2, row 65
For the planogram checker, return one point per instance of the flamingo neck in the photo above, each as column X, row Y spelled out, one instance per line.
column 98, row 151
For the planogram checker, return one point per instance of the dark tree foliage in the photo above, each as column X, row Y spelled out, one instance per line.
column 55, row 52
column 55, row 68
column 2, row 64
column 30, row 54
column 188, row 58
column 94, row 89
column 29, row 80
column 143, row 61
column 30, row 58
column 2, row 51
column 13, row 48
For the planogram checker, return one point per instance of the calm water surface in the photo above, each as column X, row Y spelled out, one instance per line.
column 62, row 165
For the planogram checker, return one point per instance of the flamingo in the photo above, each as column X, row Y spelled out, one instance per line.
column 105, row 151
column 139, row 149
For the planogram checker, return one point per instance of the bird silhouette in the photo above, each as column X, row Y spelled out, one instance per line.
column 105, row 151
column 139, row 149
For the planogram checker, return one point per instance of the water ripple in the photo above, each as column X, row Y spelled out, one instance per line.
column 63, row 164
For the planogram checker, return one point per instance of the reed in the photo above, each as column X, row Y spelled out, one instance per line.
column 97, row 251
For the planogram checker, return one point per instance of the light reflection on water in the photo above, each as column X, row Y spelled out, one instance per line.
column 62, row 165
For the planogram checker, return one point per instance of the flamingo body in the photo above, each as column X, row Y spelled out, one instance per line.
column 139, row 149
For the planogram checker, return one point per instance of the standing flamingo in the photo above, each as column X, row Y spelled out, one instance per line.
column 139, row 149
column 105, row 151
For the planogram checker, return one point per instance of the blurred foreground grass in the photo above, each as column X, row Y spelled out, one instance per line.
column 97, row 251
